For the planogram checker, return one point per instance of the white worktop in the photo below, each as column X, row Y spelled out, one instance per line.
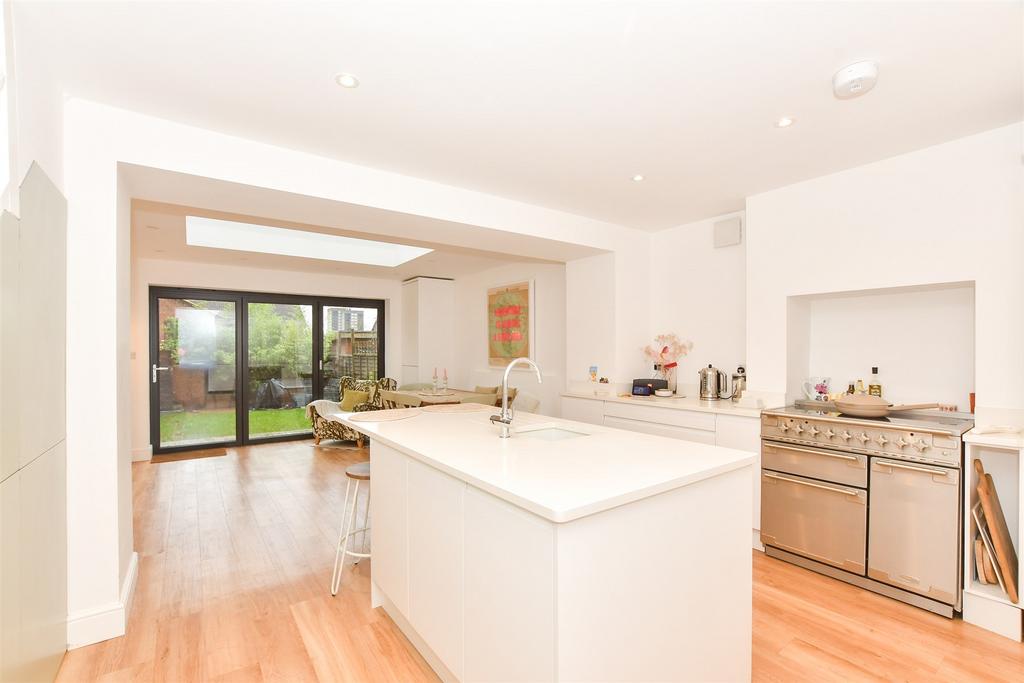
column 557, row 480
column 677, row 403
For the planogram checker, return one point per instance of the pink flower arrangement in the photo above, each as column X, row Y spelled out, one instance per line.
column 667, row 350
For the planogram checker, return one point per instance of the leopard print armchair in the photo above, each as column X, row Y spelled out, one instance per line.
column 329, row 429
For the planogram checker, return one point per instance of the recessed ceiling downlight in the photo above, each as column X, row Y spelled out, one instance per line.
column 638, row 178
column 854, row 80
column 263, row 239
column 784, row 122
column 346, row 80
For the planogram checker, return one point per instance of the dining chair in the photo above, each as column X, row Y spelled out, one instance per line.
column 397, row 399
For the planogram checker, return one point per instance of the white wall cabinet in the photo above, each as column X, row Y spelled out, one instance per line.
column 33, row 462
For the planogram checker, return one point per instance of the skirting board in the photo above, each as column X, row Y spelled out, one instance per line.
column 142, row 454
column 107, row 621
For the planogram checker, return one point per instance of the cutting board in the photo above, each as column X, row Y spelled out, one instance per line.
column 1006, row 556
column 979, row 560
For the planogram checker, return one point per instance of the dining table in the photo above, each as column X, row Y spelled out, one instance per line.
column 443, row 396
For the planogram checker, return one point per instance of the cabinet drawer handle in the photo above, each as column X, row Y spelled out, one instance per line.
column 828, row 454
column 834, row 489
column 913, row 468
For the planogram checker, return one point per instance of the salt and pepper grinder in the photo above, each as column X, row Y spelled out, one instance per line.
column 435, row 379
column 444, row 381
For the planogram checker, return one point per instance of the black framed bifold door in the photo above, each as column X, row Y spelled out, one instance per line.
column 234, row 368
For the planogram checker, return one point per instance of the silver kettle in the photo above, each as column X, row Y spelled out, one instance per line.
column 714, row 384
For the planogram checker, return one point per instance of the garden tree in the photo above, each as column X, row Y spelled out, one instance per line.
column 280, row 340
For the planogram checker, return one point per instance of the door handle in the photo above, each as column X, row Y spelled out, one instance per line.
column 914, row 468
column 155, row 368
column 828, row 454
column 833, row 489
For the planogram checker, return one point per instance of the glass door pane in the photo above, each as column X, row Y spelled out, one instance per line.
column 280, row 376
column 194, row 372
column 349, row 346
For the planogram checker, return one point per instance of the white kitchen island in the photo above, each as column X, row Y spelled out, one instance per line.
column 569, row 552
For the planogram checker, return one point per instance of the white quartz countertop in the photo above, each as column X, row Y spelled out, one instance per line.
column 558, row 480
column 677, row 403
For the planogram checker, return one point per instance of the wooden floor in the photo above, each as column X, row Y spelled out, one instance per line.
column 236, row 555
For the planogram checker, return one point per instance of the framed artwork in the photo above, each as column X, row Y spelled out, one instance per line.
column 509, row 322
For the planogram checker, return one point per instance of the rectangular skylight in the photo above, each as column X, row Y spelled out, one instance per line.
column 218, row 234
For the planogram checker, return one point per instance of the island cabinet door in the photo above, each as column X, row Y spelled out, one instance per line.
column 390, row 566
column 510, row 592
column 435, row 562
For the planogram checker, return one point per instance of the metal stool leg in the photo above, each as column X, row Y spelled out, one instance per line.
column 339, row 553
column 366, row 525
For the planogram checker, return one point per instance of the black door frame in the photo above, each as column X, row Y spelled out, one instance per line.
column 242, row 300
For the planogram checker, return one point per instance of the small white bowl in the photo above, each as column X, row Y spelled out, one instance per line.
column 664, row 393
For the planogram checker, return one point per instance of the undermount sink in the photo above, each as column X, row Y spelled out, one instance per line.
column 548, row 433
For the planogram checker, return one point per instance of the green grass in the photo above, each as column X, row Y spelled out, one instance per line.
column 220, row 424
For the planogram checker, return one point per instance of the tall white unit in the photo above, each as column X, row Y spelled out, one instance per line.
column 33, row 487
column 428, row 328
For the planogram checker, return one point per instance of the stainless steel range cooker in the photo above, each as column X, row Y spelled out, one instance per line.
column 871, row 501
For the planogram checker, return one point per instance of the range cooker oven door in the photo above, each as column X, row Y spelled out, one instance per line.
column 915, row 528
column 816, row 519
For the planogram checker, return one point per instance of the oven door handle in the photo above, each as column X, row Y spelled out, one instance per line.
column 828, row 454
column 913, row 468
column 801, row 482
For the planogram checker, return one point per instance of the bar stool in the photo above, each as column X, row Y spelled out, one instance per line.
column 356, row 474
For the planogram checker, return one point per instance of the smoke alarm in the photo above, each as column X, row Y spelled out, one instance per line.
column 855, row 80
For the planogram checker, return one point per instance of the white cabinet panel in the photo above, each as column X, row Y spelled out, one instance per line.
column 11, row 661
column 389, row 520
column 670, row 431
column 510, row 599
column 10, row 367
column 583, row 410
column 744, row 433
column 43, row 564
column 691, row 419
column 435, row 561
column 41, row 314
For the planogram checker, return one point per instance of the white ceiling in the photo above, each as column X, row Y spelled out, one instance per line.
column 557, row 103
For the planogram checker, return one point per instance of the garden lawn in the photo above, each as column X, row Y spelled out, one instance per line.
column 220, row 424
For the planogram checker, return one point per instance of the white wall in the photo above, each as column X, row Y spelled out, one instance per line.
column 147, row 272
column 549, row 320
column 922, row 342
column 37, row 103
column 699, row 292
column 949, row 213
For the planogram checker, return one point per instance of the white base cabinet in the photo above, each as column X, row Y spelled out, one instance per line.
column 490, row 592
column 741, row 432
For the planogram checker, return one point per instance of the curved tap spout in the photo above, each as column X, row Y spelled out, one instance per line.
column 505, row 418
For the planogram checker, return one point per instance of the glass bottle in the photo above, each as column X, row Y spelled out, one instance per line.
column 875, row 386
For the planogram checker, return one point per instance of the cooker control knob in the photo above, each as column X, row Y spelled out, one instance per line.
column 814, row 431
column 846, row 436
column 829, row 433
column 882, row 440
column 783, row 427
column 919, row 445
column 863, row 437
column 798, row 429
column 902, row 443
